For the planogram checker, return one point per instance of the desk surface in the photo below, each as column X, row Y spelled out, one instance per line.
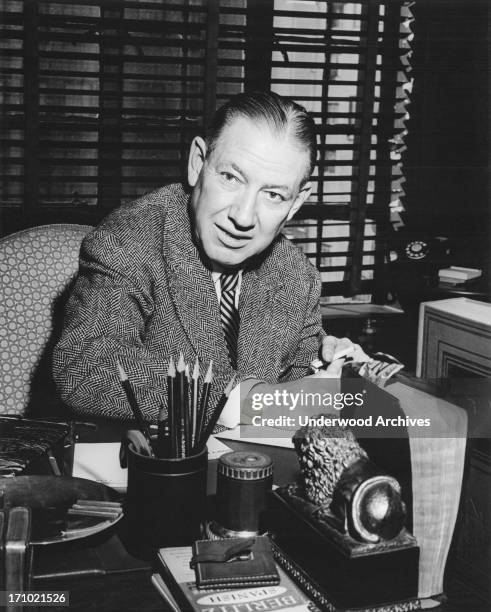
column 98, row 572
column 101, row 575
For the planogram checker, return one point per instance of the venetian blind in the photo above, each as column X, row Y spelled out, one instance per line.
column 100, row 99
column 348, row 63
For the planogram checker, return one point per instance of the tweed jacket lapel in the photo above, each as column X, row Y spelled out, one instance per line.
column 264, row 318
column 192, row 290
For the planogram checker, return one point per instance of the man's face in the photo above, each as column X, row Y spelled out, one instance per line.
column 244, row 190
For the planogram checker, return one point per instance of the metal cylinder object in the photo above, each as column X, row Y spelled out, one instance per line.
column 244, row 479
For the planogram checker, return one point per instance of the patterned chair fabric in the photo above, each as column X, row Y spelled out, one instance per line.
column 36, row 267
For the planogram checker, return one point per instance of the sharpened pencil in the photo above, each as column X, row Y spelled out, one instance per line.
column 187, row 412
column 180, row 399
column 130, row 396
column 194, row 401
column 203, row 404
column 171, row 407
column 216, row 414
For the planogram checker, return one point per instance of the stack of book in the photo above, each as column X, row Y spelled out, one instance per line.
column 295, row 590
column 455, row 275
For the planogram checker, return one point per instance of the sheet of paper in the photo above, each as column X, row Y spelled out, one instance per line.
column 100, row 461
column 269, row 436
column 216, row 448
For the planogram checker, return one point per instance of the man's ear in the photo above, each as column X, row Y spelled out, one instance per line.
column 303, row 194
column 197, row 154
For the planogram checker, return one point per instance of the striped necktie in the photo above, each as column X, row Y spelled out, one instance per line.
column 229, row 314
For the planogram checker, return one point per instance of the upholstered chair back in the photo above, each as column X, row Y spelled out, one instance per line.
column 37, row 265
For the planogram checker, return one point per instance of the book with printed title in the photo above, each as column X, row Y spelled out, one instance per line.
column 178, row 588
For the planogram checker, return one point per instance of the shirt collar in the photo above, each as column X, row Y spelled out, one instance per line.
column 216, row 278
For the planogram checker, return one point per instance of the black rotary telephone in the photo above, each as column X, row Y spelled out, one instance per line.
column 417, row 261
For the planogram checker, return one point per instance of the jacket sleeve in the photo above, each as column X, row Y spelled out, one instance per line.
column 312, row 331
column 105, row 323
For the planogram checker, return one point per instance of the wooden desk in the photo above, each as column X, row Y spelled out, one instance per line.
column 101, row 575
column 98, row 571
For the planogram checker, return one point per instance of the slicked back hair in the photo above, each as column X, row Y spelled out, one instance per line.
column 281, row 114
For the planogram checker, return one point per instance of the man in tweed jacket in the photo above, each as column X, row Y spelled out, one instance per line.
column 145, row 289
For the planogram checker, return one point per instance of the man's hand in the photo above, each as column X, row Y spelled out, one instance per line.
column 334, row 351
column 332, row 347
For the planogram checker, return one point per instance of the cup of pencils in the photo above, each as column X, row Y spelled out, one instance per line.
column 167, row 473
column 166, row 499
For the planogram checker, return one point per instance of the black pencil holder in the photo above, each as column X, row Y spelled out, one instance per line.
column 166, row 499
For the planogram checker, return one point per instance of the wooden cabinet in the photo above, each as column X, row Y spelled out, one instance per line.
column 454, row 344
